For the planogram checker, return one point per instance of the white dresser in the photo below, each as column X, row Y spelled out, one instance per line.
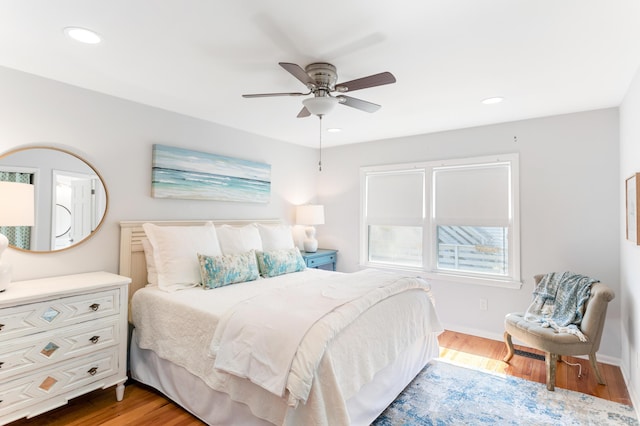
column 61, row 337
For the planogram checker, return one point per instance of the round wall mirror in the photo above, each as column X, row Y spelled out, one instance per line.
column 70, row 198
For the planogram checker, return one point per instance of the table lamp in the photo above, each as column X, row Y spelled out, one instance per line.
column 16, row 209
column 310, row 215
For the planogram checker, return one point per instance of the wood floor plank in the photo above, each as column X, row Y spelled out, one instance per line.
column 144, row 406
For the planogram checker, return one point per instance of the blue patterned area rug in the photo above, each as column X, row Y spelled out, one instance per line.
column 448, row 394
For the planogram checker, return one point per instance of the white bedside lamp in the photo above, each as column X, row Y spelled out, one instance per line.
column 310, row 215
column 16, row 209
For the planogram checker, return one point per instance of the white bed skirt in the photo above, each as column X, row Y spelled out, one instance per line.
column 216, row 408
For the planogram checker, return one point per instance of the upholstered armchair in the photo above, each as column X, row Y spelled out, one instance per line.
column 554, row 343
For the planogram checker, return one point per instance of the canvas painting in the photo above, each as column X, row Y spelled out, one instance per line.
column 187, row 174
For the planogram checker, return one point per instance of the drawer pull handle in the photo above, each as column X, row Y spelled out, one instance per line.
column 95, row 339
column 93, row 371
column 1, row 364
column 1, row 327
column 94, row 307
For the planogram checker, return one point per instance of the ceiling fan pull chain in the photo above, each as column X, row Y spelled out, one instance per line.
column 320, row 159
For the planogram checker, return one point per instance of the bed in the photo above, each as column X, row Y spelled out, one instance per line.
column 345, row 366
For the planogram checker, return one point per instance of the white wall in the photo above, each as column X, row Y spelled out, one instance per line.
column 569, row 204
column 116, row 136
column 630, row 253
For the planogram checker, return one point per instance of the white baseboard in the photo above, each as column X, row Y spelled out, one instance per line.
column 474, row 332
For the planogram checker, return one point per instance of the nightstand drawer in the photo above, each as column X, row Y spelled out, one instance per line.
column 30, row 390
column 32, row 352
column 27, row 319
column 319, row 261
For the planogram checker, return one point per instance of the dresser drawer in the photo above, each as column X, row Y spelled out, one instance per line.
column 30, row 318
column 27, row 354
column 62, row 378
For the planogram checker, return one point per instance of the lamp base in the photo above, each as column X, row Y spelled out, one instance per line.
column 5, row 268
column 5, row 275
column 310, row 246
column 310, row 243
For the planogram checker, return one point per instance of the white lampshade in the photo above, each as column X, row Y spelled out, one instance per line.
column 16, row 204
column 310, row 214
column 320, row 105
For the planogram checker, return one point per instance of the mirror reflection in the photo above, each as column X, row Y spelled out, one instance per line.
column 70, row 198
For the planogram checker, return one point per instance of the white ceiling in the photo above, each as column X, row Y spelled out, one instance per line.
column 197, row 57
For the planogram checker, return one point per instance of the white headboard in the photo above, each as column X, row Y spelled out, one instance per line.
column 132, row 261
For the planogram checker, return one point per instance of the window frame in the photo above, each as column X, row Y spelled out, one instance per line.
column 429, row 224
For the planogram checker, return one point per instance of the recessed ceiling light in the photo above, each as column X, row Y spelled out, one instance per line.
column 334, row 130
column 82, row 35
column 494, row 100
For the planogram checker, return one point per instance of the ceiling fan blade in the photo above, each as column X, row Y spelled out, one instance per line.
column 365, row 82
column 297, row 71
column 304, row 112
column 358, row 103
column 266, row 95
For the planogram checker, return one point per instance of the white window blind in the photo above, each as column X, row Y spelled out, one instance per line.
column 472, row 195
column 395, row 198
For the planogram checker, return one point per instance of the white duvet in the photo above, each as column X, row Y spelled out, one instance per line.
column 180, row 327
column 276, row 340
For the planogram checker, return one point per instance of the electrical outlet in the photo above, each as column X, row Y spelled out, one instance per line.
column 483, row 304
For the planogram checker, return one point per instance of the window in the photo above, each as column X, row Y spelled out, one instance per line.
column 455, row 218
column 395, row 217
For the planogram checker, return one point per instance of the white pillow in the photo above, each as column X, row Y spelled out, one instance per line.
column 152, row 272
column 175, row 251
column 239, row 239
column 276, row 237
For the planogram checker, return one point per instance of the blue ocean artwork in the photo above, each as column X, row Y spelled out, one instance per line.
column 186, row 174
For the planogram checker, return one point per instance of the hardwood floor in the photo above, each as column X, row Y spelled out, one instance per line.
column 145, row 406
column 488, row 354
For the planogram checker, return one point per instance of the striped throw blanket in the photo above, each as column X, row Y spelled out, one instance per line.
column 558, row 302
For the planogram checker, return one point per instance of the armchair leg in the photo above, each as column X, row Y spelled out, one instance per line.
column 594, row 367
column 509, row 343
column 550, row 361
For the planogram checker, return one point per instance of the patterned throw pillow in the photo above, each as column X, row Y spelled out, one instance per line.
column 218, row 271
column 278, row 262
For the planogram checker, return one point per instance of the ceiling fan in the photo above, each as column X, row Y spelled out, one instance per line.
column 320, row 78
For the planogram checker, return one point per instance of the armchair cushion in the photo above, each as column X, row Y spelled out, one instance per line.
column 544, row 338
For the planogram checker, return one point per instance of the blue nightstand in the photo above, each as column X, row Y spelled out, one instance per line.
column 321, row 259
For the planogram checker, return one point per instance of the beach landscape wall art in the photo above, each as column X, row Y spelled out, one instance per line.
column 186, row 174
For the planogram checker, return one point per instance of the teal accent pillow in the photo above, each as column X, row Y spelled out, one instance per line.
column 279, row 262
column 218, row 271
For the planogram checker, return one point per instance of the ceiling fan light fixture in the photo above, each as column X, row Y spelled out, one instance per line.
column 320, row 105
